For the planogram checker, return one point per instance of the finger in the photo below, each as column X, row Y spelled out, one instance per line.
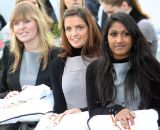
column 11, row 94
column 133, row 114
column 131, row 119
column 59, row 117
column 125, row 124
column 52, row 116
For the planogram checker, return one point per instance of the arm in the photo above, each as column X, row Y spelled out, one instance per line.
column 155, row 99
column 96, row 108
column 57, row 67
column 4, row 70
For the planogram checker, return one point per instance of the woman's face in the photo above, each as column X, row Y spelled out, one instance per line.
column 119, row 40
column 76, row 31
column 69, row 3
column 26, row 30
column 110, row 9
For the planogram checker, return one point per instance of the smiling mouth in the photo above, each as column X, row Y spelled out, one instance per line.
column 74, row 3
column 120, row 47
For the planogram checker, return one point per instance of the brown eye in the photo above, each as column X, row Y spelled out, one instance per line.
column 126, row 34
column 68, row 29
column 113, row 33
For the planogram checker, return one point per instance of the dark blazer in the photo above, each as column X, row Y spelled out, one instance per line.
column 11, row 81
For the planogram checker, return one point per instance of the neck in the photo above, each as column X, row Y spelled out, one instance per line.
column 129, row 10
column 32, row 46
column 76, row 51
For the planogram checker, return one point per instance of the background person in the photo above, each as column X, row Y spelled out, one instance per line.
column 65, row 4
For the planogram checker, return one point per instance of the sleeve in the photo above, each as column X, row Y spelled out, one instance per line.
column 155, row 99
column 149, row 33
column 57, row 67
column 94, row 107
column 54, row 52
column 4, row 70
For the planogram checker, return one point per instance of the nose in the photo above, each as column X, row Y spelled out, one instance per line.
column 119, row 38
column 21, row 25
column 74, row 32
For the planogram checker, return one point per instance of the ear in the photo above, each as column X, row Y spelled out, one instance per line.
column 125, row 5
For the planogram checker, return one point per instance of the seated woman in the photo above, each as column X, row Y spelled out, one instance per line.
column 81, row 41
column 133, row 8
column 121, row 80
column 27, row 60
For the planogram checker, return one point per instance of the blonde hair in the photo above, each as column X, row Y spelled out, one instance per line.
column 63, row 7
column 42, row 9
column 22, row 11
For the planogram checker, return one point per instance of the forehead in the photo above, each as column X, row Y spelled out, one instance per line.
column 108, row 8
column 22, row 17
column 32, row 1
column 117, row 26
column 69, row 3
column 73, row 20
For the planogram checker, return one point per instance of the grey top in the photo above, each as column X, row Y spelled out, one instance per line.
column 149, row 33
column 29, row 68
column 74, row 83
column 121, row 70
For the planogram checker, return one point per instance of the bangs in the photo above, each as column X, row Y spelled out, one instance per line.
column 23, row 12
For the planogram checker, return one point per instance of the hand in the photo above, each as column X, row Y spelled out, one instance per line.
column 57, row 118
column 11, row 94
column 124, row 117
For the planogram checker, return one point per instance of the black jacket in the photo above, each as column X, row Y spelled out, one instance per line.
column 11, row 81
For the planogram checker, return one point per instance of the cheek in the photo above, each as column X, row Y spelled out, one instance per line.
column 85, row 34
column 110, row 42
column 67, row 36
column 33, row 28
column 14, row 30
column 81, row 2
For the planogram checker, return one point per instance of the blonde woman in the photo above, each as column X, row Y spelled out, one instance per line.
column 42, row 9
column 6, row 31
column 27, row 60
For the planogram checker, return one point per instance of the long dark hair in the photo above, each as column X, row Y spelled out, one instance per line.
column 140, row 62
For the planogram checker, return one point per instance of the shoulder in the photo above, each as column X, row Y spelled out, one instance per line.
column 92, row 67
column 58, row 63
column 148, row 30
column 54, row 51
column 145, row 24
column 6, row 52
